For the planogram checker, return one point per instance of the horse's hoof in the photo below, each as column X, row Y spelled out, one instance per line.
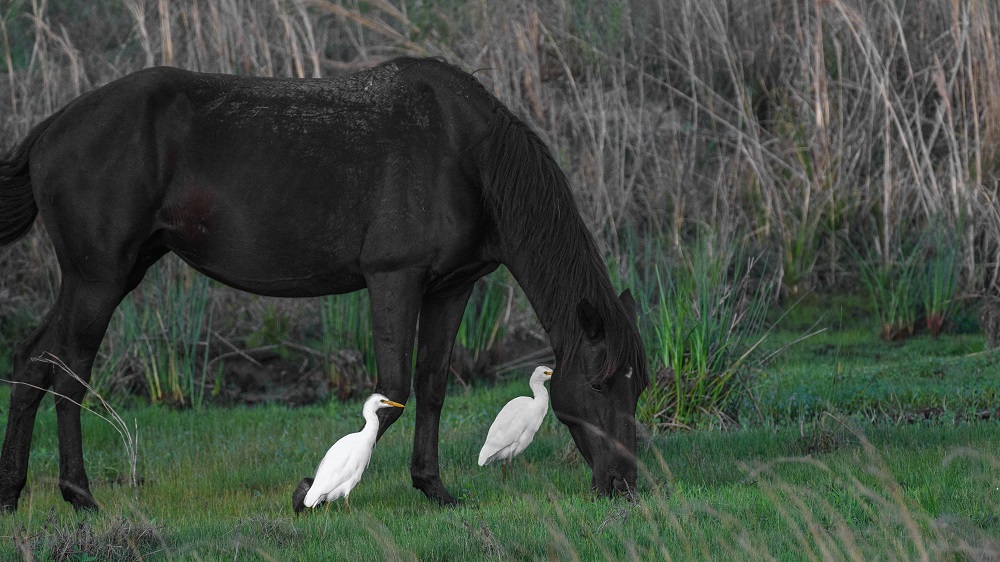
column 436, row 491
column 84, row 504
column 446, row 500
column 299, row 495
column 78, row 496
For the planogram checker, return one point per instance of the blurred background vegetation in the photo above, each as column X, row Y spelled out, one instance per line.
column 729, row 155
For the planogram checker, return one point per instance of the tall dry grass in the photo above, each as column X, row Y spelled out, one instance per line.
column 825, row 129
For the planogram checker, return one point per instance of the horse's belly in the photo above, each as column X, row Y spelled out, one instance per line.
column 274, row 280
column 271, row 261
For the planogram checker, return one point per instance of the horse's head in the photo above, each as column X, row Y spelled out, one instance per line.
column 595, row 388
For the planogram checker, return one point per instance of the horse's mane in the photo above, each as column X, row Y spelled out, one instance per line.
column 537, row 218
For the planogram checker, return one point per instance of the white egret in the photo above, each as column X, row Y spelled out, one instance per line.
column 345, row 462
column 517, row 422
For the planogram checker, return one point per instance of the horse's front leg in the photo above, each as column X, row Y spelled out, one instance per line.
column 395, row 301
column 440, row 317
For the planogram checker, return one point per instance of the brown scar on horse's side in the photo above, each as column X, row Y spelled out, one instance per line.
column 192, row 217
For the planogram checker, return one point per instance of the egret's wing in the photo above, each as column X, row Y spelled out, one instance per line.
column 506, row 429
column 349, row 460
column 354, row 469
column 337, row 455
column 341, row 461
column 525, row 438
column 513, row 430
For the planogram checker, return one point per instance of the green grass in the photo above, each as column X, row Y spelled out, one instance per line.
column 847, row 369
column 218, row 482
column 839, row 461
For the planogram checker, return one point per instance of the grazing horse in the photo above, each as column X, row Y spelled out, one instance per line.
column 409, row 179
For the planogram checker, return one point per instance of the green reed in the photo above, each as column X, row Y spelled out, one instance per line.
column 891, row 285
column 484, row 322
column 346, row 323
column 709, row 311
column 939, row 275
column 161, row 331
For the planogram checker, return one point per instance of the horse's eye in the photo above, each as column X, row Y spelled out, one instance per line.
column 597, row 386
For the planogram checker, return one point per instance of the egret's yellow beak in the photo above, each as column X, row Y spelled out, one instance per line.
column 548, row 373
column 393, row 404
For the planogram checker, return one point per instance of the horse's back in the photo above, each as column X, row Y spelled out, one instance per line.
column 277, row 186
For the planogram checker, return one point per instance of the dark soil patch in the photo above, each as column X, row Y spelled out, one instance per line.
column 272, row 377
column 296, row 378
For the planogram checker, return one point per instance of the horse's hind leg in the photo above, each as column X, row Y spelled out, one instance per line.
column 72, row 332
column 440, row 317
column 26, row 392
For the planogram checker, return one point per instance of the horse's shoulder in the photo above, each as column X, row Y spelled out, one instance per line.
column 429, row 70
column 153, row 78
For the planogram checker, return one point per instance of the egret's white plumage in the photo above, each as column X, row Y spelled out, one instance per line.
column 345, row 462
column 517, row 422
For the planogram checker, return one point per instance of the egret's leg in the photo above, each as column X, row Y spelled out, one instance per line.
column 503, row 470
column 347, row 505
column 327, row 510
column 440, row 317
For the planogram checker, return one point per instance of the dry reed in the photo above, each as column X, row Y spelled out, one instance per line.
column 824, row 129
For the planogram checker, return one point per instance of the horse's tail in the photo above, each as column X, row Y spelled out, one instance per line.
column 17, row 201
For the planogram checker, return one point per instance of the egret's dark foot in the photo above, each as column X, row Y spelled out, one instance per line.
column 435, row 490
column 299, row 495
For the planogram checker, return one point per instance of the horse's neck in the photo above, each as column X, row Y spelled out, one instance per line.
column 555, row 284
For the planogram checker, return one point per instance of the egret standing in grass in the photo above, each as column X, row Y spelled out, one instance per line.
column 517, row 422
column 345, row 462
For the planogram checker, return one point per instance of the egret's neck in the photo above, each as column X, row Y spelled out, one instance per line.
column 538, row 388
column 371, row 423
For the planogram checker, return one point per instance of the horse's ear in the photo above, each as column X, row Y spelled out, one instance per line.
column 629, row 302
column 590, row 320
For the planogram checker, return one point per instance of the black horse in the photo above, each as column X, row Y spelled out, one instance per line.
column 409, row 179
